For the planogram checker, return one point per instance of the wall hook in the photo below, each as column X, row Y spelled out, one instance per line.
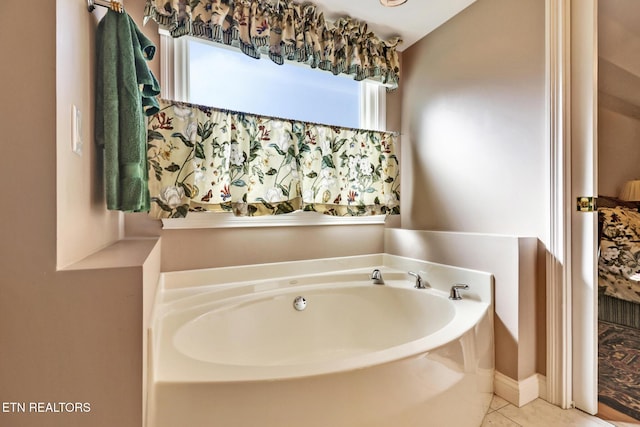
column 114, row 5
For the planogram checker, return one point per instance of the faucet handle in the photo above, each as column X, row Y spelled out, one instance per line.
column 455, row 291
column 419, row 283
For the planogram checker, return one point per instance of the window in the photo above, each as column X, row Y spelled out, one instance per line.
column 212, row 74
column 227, row 78
column 207, row 73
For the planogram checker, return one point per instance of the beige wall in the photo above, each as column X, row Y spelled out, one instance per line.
column 83, row 224
column 619, row 95
column 219, row 247
column 192, row 249
column 473, row 122
column 473, row 151
column 618, row 149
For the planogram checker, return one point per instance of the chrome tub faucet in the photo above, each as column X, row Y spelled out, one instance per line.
column 376, row 276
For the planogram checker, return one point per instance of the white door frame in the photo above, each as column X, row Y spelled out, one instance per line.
column 558, row 263
column 584, row 240
column 571, row 54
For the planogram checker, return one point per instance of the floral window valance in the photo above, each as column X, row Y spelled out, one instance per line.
column 206, row 159
column 283, row 30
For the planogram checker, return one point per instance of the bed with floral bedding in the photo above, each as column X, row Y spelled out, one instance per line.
column 619, row 265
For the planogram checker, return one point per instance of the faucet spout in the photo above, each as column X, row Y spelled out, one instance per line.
column 376, row 276
column 419, row 282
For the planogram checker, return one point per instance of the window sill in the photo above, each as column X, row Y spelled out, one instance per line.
column 295, row 219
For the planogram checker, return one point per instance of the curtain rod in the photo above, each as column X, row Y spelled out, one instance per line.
column 115, row 5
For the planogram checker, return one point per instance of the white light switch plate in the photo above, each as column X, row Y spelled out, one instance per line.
column 76, row 130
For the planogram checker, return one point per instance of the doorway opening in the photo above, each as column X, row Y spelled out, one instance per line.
column 619, row 248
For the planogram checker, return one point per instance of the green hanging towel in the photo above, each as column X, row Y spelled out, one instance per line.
column 126, row 91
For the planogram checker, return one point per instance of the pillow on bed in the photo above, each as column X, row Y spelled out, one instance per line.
column 620, row 224
column 619, row 270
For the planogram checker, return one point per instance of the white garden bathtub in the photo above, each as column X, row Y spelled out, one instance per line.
column 229, row 348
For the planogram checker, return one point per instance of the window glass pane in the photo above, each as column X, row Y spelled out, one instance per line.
column 229, row 79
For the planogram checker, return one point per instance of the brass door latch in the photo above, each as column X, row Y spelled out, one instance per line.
column 587, row 204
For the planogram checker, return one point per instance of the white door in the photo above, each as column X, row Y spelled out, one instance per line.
column 584, row 285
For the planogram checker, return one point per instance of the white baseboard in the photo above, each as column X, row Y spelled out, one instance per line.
column 519, row 393
column 542, row 387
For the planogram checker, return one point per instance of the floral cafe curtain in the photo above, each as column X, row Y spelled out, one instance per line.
column 283, row 30
column 206, row 159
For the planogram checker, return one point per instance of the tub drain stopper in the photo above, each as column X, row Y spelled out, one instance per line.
column 299, row 303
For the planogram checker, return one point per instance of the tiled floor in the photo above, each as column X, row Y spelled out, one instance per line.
column 540, row 413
